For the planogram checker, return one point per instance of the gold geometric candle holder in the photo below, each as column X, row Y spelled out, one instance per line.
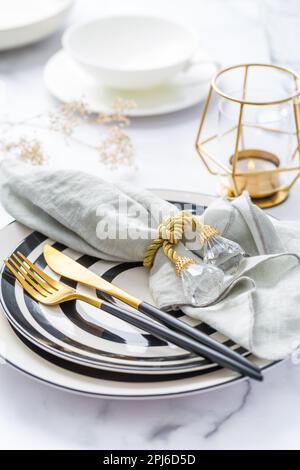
column 253, row 142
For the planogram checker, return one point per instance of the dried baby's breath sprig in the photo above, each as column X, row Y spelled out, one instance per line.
column 27, row 150
column 118, row 115
column 75, row 107
column 116, row 149
column 68, row 116
column 120, row 108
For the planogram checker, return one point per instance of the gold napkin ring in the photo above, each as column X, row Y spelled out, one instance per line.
column 170, row 232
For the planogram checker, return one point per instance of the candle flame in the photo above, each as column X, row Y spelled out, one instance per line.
column 251, row 165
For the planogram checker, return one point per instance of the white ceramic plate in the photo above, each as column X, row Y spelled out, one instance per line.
column 35, row 362
column 66, row 81
column 26, row 21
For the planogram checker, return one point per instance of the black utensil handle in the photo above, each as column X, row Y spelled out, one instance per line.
column 191, row 332
column 161, row 331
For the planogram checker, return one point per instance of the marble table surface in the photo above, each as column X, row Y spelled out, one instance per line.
column 242, row 416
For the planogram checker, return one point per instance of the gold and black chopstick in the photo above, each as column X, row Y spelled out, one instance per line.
column 181, row 340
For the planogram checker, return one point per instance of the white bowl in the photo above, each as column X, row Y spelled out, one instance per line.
column 129, row 51
column 23, row 22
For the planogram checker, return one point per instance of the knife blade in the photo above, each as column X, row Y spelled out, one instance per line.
column 68, row 267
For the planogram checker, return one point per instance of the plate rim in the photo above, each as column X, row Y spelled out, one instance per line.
column 142, row 396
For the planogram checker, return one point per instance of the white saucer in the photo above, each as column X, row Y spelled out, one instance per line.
column 67, row 82
column 26, row 21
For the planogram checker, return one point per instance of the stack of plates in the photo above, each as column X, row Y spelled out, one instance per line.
column 80, row 348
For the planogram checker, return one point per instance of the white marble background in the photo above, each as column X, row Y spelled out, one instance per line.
column 242, row 416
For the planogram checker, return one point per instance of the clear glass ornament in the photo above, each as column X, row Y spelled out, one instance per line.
column 223, row 253
column 202, row 283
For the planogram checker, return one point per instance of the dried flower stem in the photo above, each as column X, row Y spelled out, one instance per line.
column 115, row 148
column 29, row 151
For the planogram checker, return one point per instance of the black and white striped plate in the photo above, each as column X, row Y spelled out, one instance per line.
column 83, row 340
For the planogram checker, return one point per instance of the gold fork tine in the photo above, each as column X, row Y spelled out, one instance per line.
column 23, row 282
column 41, row 273
column 37, row 285
column 31, row 273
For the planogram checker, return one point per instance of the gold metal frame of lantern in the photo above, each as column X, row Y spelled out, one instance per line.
column 231, row 172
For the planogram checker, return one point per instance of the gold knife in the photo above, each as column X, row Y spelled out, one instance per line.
column 67, row 267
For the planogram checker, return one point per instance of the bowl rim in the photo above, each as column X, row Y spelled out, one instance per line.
column 61, row 9
column 66, row 40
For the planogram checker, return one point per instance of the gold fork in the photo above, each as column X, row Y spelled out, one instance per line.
column 42, row 287
column 47, row 290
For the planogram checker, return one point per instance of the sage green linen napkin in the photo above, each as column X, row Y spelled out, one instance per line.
column 258, row 306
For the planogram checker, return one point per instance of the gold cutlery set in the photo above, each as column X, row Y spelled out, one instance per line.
column 46, row 290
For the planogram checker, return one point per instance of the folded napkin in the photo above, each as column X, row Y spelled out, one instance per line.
column 257, row 307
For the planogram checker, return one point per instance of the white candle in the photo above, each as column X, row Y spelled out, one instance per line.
column 258, row 185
